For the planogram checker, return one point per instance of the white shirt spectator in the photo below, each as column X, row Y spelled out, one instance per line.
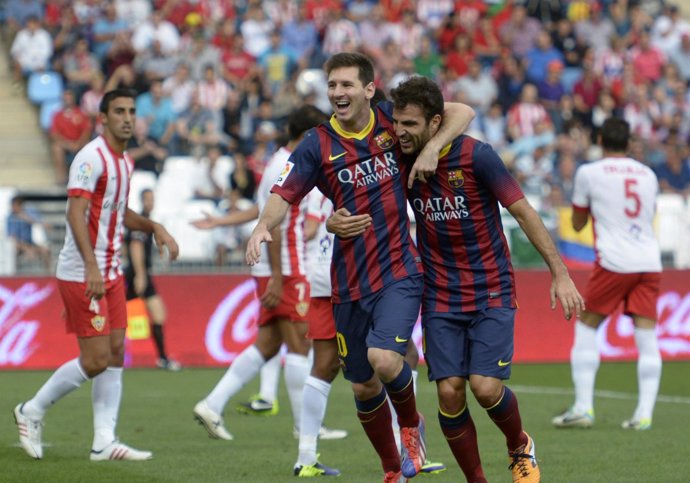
column 433, row 13
column 32, row 49
column 134, row 12
column 256, row 31
column 156, row 29
column 341, row 35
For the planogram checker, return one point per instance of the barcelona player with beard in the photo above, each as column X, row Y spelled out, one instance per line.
column 354, row 159
column 469, row 301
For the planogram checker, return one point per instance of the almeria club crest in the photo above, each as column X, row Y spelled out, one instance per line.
column 384, row 140
column 455, row 178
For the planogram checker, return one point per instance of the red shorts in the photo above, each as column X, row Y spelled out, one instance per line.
column 294, row 304
column 321, row 321
column 638, row 292
column 89, row 320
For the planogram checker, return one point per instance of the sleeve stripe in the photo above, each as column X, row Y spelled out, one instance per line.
column 79, row 193
column 581, row 209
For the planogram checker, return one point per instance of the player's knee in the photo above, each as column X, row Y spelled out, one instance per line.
column 95, row 364
column 366, row 390
column 386, row 364
column 487, row 392
column 451, row 398
column 326, row 369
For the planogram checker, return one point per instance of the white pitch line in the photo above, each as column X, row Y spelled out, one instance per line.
column 604, row 394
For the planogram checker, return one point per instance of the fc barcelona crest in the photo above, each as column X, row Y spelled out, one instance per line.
column 455, row 178
column 98, row 322
column 384, row 140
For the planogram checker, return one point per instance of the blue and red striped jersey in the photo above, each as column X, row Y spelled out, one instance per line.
column 459, row 231
column 363, row 173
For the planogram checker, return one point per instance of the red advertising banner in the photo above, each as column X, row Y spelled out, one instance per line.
column 212, row 318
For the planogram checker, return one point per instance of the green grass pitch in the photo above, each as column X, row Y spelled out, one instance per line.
column 156, row 414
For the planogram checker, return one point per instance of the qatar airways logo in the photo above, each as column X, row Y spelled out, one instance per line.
column 370, row 171
column 616, row 336
column 442, row 208
column 16, row 334
column 237, row 312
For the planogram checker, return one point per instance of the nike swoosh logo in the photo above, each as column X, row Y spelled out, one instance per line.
column 400, row 340
column 331, row 157
column 502, row 364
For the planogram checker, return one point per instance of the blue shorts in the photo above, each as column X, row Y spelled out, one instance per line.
column 472, row 343
column 383, row 320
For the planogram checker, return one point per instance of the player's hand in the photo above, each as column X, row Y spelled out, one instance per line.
column 345, row 225
column 424, row 166
column 564, row 290
column 274, row 292
column 206, row 223
column 259, row 236
column 165, row 240
column 139, row 284
column 95, row 287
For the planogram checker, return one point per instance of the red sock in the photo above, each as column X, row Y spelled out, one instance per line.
column 375, row 416
column 401, row 393
column 461, row 436
column 506, row 415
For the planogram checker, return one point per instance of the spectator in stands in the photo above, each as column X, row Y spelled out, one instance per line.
column 134, row 12
column 674, row 172
column 18, row 13
column 459, row 57
column 647, row 60
column 200, row 55
column 243, row 181
column 318, row 12
column 213, row 92
column 277, row 63
column 156, row 109
column 564, row 177
column 680, row 56
column 526, row 115
column 80, row 66
column 153, row 64
column 91, row 100
column 31, row 49
column 510, row 82
column 409, row 34
column 477, row 88
column 432, row 13
column 156, row 28
column 105, row 29
column 121, row 54
column 65, row 34
column 494, row 127
column 256, row 30
column 20, row 223
column 520, row 32
column 551, row 91
column 667, row 30
column 537, row 60
column 69, row 132
column 280, row 12
column 301, row 35
column 232, row 116
column 597, row 29
column 341, row 34
column 237, row 65
column 377, row 31
column 196, row 129
column 586, row 91
column 487, row 46
column 179, row 88
column 428, row 62
column 147, row 154
column 358, row 10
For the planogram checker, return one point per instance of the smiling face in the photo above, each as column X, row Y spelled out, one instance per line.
column 350, row 98
column 412, row 128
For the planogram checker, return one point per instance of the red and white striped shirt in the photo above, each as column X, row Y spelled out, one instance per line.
column 101, row 175
column 293, row 244
column 526, row 115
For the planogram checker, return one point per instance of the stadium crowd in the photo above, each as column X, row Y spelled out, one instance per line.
column 220, row 76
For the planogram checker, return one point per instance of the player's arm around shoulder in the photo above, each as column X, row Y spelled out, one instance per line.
column 562, row 286
column 163, row 239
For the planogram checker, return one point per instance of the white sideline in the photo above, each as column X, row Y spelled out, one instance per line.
column 605, row 394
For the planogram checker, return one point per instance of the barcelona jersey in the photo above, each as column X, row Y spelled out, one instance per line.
column 361, row 172
column 459, row 231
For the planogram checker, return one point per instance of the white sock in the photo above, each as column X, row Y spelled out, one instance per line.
column 315, row 399
column 64, row 380
column 270, row 376
column 584, row 360
column 106, row 394
column 296, row 372
column 648, row 372
column 242, row 370
column 396, row 426
column 415, row 374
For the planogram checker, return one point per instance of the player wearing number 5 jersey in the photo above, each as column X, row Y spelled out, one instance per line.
column 620, row 194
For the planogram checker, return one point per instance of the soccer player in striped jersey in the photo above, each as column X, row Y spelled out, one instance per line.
column 354, row 159
column 283, row 291
column 469, row 299
column 91, row 285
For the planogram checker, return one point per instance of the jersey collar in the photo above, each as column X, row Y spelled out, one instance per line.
column 356, row 135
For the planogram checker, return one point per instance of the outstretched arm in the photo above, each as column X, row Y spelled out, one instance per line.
column 456, row 119
column 562, row 287
column 229, row 219
column 273, row 213
column 136, row 222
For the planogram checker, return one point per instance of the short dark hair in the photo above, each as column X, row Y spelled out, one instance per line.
column 615, row 134
column 420, row 91
column 144, row 192
column 352, row 59
column 109, row 96
column 303, row 119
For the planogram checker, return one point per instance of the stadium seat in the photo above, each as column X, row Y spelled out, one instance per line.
column 195, row 244
column 672, row 228
column 47, row 112
column 44, row 86
column 141, row 180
